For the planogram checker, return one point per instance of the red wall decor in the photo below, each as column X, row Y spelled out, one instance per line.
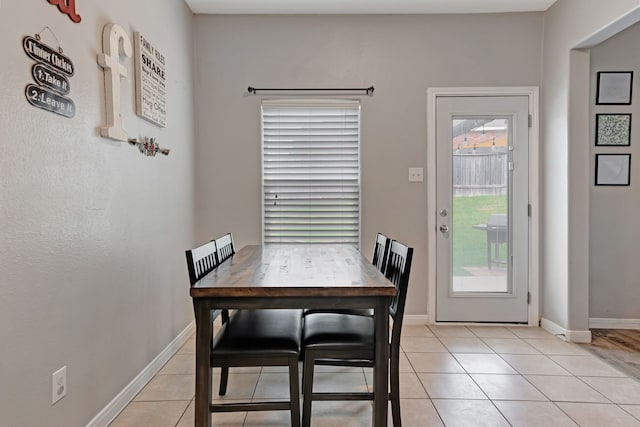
column 67, row 7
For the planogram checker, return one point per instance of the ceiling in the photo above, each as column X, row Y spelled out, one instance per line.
column 365, row 6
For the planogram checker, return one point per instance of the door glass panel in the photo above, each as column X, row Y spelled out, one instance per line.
column 480, row 211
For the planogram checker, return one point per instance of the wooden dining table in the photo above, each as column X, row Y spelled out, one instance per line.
column 326, row 276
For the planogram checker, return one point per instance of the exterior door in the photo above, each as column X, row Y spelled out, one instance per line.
column 482, row 209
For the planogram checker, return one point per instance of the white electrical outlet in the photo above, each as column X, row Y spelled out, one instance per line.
column 59, row 385
column 415, row 175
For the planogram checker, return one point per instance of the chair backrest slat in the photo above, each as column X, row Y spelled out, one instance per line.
column 225, row 247
column 397, row 271
column 200, row 261
column 380, row 252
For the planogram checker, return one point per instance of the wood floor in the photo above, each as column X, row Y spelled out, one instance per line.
column 620, row 347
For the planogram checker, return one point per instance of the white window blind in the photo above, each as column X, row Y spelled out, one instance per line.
column 311, row 171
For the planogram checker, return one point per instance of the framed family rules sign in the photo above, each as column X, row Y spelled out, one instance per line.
column 150, row 81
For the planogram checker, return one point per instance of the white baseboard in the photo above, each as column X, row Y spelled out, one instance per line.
column 603, row 323
column 568, row 335
column 552, row 328
column 415, row 319
column 113, row 408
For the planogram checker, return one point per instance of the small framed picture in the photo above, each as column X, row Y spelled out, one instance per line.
column 613, row 129
column 613, row 169
column 614, row 88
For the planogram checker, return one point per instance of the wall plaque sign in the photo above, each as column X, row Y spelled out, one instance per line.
column 42, row 53
column 48, row 100
column 150, row 81
column 50, row 73
column 51, row 79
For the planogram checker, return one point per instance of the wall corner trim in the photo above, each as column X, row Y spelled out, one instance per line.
column 122, row 399
column 565, row 334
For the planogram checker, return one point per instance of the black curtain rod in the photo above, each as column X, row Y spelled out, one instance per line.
column 368, row 90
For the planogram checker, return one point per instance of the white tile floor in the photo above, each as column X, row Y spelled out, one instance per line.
column 450, row 375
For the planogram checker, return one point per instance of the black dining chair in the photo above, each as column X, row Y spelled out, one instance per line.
column 381, row 251
column 225, row 247
column 339, row 339
column 269, row 337
column 201, row 260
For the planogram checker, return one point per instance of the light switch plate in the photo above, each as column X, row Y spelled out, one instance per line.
column 59, row 385
column 416, row 175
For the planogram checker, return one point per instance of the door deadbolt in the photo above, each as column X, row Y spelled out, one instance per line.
column 444, row 229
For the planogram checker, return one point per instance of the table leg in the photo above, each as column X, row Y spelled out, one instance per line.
column 381, row 365
column 203, row 369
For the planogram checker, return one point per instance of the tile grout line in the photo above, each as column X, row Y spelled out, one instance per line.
column 183, row 413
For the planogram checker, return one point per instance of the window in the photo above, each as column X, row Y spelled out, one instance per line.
column 311, row 171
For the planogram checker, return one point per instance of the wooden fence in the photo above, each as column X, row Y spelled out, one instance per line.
column 480, row 173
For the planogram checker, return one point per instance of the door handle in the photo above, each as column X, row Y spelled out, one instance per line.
column 444, row 229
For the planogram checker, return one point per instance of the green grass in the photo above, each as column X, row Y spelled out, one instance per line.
column 470, row 245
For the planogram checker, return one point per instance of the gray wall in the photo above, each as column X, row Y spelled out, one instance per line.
column 93, row 233
column 92, row 271
column 564, row 157
column 614, row 270
column 401, row 56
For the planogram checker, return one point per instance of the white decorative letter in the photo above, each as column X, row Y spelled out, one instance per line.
column 114, row 42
